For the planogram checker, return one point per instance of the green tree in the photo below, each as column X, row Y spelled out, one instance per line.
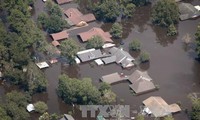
column 36, row 79
column 171, row 30
column 17, row 20
column 53, row 9
column 106, row 10
column 140, row 2
column 40, row 107
column 165, row 13
column 42, row 18
column 197, row 35
column 45, row 116
column 72, row 90
column 104, row 86
column 55, row 24
column 128, row 8
column 15, row 105
column 144, row 57
column 169, row 117
column 3, row 114
column 69, row 49
column 139, row 117
column 195, row 113
column 116, row 30
column 135, row 45
column 108, row 97
column 95, row 42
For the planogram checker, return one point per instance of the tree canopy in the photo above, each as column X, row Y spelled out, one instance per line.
column 165, row 13
column 135, row 45
column 116, row 30
column 197, row 35
column 40, row 107
column 69, row 48
column 72, row 90
column 15, row 105
column 53, row 21
column 95, row 42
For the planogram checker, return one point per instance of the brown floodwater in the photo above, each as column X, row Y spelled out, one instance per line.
column 172, row 64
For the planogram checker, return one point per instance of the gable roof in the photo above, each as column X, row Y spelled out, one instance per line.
column 159, row 107
column 63, row 1
column 60, row 35
column 55, row 43
column 141, row 82
column 75, row 16
column 122, row 57
column 187, row 11
column 85, row 36
column 90, row 54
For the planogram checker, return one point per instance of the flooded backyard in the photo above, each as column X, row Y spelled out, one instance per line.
column 172, row 64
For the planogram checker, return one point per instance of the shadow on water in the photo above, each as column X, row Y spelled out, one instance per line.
column 162, row 38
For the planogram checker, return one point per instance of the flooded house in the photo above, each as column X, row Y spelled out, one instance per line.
column 60, row 2
column 90, row 54
column 158, row 107
column 75, row 17
column 106, row 36
column 120, row 57
column 188, row 11
column 58, row 37
column 140, row 81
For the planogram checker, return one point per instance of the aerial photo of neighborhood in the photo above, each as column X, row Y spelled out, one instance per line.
column 99, row 59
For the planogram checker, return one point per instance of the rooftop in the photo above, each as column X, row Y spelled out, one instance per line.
column 75, row 16
column 140, row 81
column 60, row 35
column 85, row 36
column 89, row 55
column 55, row 43
column 159, row 107
column 187, row 11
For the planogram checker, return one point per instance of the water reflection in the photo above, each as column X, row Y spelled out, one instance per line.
column 161, row 34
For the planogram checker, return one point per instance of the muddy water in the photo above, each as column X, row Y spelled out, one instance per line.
column 172, row 65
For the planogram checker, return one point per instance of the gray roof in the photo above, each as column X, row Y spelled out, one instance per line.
column 122, row 56
column 108, row 60
column 67, row 117
column 113, row 78
column 90, row 55
column 187, row 11
column 141, row 82
column 137, row 74
column 126, row 63
column 159, row 107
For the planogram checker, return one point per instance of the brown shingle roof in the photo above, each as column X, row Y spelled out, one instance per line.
column 85, row 36
column 75, row 16
column 55, row 43
column 63, row 1
column 60, row 35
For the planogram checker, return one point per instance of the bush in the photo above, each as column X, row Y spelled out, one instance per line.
column 116, row 30
column 144, row 57
column 171, row 30
column 135, row 45
column 40, row 107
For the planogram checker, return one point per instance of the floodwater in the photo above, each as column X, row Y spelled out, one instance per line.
column 172, row 64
